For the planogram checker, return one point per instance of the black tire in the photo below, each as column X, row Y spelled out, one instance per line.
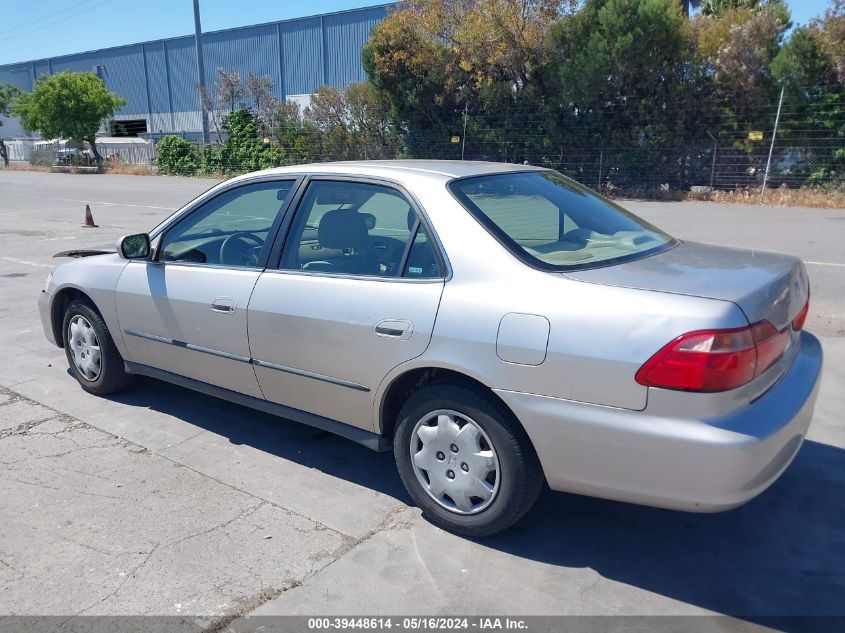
column 112, row 375
column 520, row 477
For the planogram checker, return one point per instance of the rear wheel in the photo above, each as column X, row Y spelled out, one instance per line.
column 91, row 353
column 465, row 461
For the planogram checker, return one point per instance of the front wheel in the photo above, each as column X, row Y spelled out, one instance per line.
column 91, row 353
column 465, row 460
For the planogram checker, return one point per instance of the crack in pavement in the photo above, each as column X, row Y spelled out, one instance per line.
column 241, row 515
column 141, row 449
column 251, row 604
column 342, row 550
column 347, row 542
column 114, row 593
column 588, row 587
column 50, row 455
column 56, row 488
column 21, row 429
column 81, row 472
column 13, row 568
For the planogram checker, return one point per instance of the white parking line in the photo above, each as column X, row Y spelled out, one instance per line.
column 110, row 204
column 15, row 260
column 40, row 210
column 118, row 204
column 825, row 264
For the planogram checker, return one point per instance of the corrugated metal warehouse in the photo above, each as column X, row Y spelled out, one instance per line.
column 158, row 79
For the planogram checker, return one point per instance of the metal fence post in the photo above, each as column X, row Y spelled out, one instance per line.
column 772, row 147
column 601, row 160
column 713, row 165
column 464, row 135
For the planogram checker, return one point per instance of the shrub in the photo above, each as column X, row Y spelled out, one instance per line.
column 212, row 161
column 175, row 155
column 243, row 151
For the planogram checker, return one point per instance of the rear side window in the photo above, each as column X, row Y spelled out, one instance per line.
column 357, row 228
column 552, row 222
column 422, row 262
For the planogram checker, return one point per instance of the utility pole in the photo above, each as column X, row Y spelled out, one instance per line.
column 200, row 68
column 771, row 147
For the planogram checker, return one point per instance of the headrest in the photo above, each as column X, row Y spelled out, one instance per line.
column 340, row 193
column 342, row 228
column 412, row 219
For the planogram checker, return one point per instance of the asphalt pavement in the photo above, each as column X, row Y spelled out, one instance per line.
column 161, row 501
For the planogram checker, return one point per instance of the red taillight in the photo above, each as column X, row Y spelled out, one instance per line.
column 798, row 321
column 770, row 344
column 715, row 360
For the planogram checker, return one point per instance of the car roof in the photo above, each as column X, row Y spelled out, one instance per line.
column 441, row 169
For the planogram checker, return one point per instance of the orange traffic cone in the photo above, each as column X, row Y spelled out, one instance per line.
column 89, row 219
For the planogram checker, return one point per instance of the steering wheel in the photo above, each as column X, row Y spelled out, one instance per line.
column 236, row 249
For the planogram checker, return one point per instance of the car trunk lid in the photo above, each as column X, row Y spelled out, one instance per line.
column 765, row 286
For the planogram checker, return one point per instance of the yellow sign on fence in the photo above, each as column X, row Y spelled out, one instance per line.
column 755, row 135
column 456, row 139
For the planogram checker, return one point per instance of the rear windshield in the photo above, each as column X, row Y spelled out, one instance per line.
column 552, row 222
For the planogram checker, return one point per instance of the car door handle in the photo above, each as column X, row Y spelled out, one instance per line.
column 394, row 328
column 225, row 305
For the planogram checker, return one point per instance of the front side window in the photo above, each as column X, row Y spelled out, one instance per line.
column 552, row 222
column 229, row 230
column 357, row 228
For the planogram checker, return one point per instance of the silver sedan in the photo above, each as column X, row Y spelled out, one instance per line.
column 497, row 326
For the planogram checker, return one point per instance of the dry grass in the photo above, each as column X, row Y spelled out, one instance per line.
column 781, row 197
column 25, row 168
column 129, row 170
column 132, row 170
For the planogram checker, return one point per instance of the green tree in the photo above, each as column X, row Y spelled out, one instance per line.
column 809, row 70
column 67, row 105
column 8, row 93
column 625, row 82
column 734, row 48
column 716, row 7
column 741, row 64
column 829, row 31
column 352, row 123
column 413, row 75
column 430, row 60
column 369, row 120
column 298, row 140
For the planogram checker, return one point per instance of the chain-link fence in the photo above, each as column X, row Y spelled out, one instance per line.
column 114, row 154
column 629, row 160
column 723, row 163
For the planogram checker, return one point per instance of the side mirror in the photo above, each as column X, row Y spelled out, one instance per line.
column 134, row 246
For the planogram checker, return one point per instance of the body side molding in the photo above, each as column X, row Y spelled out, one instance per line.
column 243, row 359
column 366, row 438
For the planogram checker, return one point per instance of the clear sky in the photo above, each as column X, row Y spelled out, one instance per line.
column 46, row 28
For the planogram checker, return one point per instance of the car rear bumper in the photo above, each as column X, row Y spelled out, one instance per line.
column 674, row 462
column 45, row 305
